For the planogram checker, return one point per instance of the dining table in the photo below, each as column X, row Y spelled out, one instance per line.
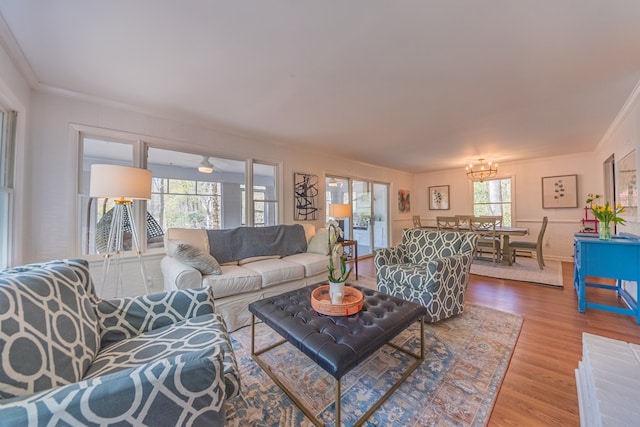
column 505, row 234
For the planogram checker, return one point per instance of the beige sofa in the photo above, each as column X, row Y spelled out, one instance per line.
column 243, row 281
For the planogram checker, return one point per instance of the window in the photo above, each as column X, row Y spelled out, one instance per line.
column 7, row 159
column 188, row 190
column 96, row 213
column 265, row 200
column 493, row 198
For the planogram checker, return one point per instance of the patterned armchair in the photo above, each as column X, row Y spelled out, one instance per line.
column 430, row 268
column 69, row 358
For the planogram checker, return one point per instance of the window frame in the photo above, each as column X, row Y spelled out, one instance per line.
column 512, row 201
column 8, row 147
column 141, row 144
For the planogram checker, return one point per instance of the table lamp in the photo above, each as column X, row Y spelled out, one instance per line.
column 124, row 184
column 339, row 211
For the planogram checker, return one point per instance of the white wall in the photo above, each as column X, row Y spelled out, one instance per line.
column 620, row 140
column 52, row 219
column 527, row 192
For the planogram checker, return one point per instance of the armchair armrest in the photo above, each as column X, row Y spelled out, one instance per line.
column 439, row 269
column 132, row 396
column 178, row 275
column 121, row 318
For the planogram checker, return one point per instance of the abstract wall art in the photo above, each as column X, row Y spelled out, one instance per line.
column 560, row 191
column 305, row 195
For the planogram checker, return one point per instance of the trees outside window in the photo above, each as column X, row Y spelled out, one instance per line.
column 493, row 198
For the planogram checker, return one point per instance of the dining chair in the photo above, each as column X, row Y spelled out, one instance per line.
column 531, row 246
column 497, row 217
column 447, row 222
column 488, row 240
column 417, row 223
column 463, row 221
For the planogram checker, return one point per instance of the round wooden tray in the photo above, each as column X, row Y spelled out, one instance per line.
column 351, row 302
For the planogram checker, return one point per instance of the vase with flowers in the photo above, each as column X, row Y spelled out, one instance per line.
column 338, row 272
column 605, row 214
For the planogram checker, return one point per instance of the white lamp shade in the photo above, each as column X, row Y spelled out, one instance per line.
column 339, row 210
column 117, row 182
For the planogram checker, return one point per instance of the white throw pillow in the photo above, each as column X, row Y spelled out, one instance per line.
column 319, row 243
column 194, row 257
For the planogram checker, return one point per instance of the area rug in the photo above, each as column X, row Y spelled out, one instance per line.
column 523, row 270
column 466, row 358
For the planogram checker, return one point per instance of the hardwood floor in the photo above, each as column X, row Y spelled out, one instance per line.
column 539, row 388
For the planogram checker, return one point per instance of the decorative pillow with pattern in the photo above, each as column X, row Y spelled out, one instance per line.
column 48, row 329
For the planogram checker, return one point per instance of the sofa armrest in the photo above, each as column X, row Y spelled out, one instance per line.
column 178, row 275
column 150, row 394
column 121, row 318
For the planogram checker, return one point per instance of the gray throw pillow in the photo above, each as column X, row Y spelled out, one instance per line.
column 194, row 257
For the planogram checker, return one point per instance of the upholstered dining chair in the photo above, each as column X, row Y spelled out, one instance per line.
column 531, row 246
column 447, row 223
column 488, row 240
column 417, row 223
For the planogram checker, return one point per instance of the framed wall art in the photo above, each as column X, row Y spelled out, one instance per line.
column 560, row 191
column 404, row 201
column 439, row 197
column 305, row 196
column 628, row 181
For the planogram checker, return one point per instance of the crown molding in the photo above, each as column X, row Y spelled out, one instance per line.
column 622, row 114
column 12, row 48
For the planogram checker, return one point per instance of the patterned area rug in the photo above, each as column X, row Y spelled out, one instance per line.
column 466, row 358
column 523, row 270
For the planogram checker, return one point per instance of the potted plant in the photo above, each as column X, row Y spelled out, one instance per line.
column 338, row 272
column 606, row 214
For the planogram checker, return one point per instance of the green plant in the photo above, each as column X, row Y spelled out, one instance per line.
column 605, row 213
column 335, row 254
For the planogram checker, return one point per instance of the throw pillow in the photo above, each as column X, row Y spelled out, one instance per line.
column 319, row 243
column 194, row 257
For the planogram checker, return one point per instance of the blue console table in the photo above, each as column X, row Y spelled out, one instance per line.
column 618, row 258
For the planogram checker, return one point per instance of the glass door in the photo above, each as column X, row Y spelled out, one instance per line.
column 337, row 192
column 362, row 209
column 380, row 215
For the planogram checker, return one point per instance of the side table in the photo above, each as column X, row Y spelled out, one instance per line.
column 351, row 251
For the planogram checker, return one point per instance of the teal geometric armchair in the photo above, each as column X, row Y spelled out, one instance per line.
column 430, row 268
column 73, row 359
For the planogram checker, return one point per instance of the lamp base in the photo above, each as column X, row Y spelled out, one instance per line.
column 115, row 248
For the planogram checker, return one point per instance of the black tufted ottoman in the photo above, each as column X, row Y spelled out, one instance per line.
column 337, row 343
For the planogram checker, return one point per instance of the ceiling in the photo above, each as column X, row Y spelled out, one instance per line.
column 416, row 85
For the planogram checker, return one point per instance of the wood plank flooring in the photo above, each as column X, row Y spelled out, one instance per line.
column 539, row 388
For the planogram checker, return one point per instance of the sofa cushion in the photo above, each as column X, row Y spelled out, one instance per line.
column 275, row 271
column 49, row 329
column 313, row 263
column 193, row 336
column 194, row 236
column 194, row 257
column 319, row 243
column 257, row 258
column 233, row 280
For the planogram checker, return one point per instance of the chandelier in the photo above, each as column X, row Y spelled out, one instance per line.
column 481, row 171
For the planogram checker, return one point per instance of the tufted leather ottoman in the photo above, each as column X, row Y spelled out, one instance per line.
column 337, row 343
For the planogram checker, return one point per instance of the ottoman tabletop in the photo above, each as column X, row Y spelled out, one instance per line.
column 337, row 343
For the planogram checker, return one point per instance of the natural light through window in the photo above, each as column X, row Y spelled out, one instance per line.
column 493, row 198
